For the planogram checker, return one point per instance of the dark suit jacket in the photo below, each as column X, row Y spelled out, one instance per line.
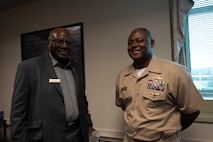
column 38, row 110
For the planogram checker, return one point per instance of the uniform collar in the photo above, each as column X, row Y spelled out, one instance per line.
column 153, row 67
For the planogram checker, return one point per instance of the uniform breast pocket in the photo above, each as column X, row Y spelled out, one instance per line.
column 154, row 98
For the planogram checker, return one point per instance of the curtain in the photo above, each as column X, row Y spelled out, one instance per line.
column 178, row 12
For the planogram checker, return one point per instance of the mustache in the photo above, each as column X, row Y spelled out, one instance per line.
column 132, row 50
column 64, row 49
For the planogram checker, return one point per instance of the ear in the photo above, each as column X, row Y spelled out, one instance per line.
column 49, row 44
column 152, row 43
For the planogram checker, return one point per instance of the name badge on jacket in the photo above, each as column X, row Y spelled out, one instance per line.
column 54, row 80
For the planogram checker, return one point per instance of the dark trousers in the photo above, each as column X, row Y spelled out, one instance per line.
column 72, row 133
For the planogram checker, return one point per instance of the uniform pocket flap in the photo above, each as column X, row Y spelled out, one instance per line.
column 35, row 124
column 154, row 95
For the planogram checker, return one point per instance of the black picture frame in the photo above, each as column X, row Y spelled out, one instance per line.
column 35, row 43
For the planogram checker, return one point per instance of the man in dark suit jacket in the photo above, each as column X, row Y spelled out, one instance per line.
column 49, row 102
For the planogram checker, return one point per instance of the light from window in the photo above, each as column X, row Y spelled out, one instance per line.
column 200, row 21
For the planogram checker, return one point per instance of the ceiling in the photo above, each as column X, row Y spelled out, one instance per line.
column 7, row 4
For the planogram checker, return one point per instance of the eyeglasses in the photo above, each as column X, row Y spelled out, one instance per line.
column 60, row 42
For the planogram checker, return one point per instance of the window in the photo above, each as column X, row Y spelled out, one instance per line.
column 200, row 26
column 199, row 42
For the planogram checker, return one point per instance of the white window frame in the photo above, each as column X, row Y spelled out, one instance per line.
column 207, row 111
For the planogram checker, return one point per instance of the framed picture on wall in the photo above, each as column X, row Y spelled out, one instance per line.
column 35, row 43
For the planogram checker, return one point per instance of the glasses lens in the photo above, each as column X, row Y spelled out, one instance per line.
column 61, row 42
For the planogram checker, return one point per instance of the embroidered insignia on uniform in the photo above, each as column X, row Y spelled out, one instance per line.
column 155, row 84
column 157, row 77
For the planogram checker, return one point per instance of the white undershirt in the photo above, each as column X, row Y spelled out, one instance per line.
column 140, row 71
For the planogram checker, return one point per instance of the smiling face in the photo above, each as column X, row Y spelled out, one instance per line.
column 140, row 47
column 60, row 44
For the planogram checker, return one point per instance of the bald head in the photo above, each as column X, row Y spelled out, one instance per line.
column 148, row 33
column 59, row 32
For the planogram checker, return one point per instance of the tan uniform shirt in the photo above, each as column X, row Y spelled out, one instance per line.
column 152, row 102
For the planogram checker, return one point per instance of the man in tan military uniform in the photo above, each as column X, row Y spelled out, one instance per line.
column 157, row 96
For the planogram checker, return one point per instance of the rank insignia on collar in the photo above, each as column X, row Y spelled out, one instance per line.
column 155, row 85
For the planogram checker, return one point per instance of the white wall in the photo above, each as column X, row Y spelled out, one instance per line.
column 107, row 25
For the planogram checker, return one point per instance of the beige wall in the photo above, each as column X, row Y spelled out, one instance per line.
column 107, row 24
